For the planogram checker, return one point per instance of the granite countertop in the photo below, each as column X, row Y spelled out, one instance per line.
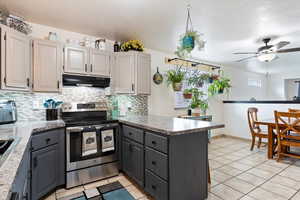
column 20, row 131
column 169, row 125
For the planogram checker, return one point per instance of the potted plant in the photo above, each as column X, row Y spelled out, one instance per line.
column 175, row 77
column 52, row 109
column 212, row 78
column 203, row 106
column 187, row 93
column 187, row 43
column 196, row 102
column 198, row 80
column 134, row 45
column 219, row 86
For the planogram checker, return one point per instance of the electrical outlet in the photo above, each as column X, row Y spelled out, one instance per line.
column 36, row 105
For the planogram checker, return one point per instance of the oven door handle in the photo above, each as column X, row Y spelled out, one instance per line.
column 74, row 129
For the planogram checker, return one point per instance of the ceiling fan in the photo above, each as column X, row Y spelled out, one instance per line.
column 268, row 52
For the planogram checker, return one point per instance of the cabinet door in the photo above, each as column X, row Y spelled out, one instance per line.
column 47, row 64
column 143, row 68
column 99, row 63
column 76, row 60
column 133, row 161
column 15, row 60
column 44, row 171
column 124, row 73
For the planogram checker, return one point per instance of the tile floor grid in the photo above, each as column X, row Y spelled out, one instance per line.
column 267, row 180
column 237, row 174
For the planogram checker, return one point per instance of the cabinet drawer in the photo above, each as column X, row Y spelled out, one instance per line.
column 157, row 162
column 45, row 139
column 157, row 142
column 156, row 186
column 134, row 134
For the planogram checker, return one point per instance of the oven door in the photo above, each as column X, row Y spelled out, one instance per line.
column 77, row 156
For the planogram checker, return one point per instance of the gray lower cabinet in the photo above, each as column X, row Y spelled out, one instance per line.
column 42, row 168
column 44, row 171
column 47, row 162
column 21, row 185
column 174, row 167
column 133, row 160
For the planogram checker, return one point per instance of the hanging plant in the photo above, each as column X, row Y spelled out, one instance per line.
column 175, row 78
column 218, row 86
column 189, row 40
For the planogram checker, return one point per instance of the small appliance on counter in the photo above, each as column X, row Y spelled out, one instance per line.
column 8, row 112
column 91, row 143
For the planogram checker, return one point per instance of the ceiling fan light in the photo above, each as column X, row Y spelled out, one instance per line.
column 266, row 57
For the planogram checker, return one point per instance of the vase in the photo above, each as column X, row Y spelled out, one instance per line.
column 177, row 86
column 51, row 114
column 196, row 112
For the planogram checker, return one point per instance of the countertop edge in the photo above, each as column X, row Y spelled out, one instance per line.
column 264, row 102
column 171, row 133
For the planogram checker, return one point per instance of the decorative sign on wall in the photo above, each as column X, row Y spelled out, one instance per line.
column 180, row 101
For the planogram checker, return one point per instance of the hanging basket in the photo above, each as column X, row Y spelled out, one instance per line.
column 188, row 43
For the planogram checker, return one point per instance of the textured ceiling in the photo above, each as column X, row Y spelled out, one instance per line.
column 228, row 25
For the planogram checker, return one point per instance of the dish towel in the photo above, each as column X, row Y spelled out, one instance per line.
column 107, row 138
column 89, row 143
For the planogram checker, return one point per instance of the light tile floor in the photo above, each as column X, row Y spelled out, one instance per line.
column 236, row 172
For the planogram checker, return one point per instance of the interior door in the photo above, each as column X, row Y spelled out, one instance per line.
column 124, row 73
column 15, row 60
column 47, row 64
column 99, row 62
column 143, row 74
column 44, row 171
column 76, row 60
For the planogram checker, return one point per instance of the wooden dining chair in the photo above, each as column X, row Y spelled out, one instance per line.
column 288, row 133
column 293, row 110
column 255, row 130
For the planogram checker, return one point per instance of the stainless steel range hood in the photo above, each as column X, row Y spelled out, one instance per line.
column 87, row 81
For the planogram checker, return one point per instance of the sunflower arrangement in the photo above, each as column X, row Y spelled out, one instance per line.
column 136, row 45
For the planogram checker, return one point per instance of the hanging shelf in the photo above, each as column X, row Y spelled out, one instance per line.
column 190, row 63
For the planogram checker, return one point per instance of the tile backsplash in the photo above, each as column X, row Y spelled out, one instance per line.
column 25, row 100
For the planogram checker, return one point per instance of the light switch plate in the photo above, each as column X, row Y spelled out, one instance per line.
column 36, row 105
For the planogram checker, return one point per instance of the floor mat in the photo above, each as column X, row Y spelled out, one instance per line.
column 120, row 194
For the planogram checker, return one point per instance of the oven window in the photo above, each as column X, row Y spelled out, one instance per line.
column 76, row 147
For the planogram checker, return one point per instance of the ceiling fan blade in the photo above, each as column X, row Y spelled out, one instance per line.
column 288, row 50
column 238, row 53
column 281, row 44
column 245, row 58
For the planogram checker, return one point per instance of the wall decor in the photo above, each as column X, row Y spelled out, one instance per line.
column 158, row 77
column 189, row 39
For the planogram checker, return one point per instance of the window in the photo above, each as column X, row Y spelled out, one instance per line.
column 254, row 82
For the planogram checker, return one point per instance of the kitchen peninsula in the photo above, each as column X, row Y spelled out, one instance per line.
column 166, row 156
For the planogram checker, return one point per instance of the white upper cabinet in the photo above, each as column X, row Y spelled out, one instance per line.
column 143, row 74
column 47, row 64
column 99, row 63
column 76, row 60
column 15, row 60
column 132, row 73
column 124, row 73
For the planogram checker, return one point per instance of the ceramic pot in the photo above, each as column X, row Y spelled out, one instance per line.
column 188, row 95
column 188, row 43
column 51, row 114
column 221, row 91
column 196, row 112
column 177, row 86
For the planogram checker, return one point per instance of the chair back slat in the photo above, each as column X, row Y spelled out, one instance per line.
column 287, row 122
column 252, row 118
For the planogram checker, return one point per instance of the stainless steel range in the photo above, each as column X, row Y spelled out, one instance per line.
column 91, row 143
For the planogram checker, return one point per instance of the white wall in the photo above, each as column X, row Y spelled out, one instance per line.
column 161, row 101
column 236, row 116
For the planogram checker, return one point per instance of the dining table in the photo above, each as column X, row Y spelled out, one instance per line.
column 270, row 123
